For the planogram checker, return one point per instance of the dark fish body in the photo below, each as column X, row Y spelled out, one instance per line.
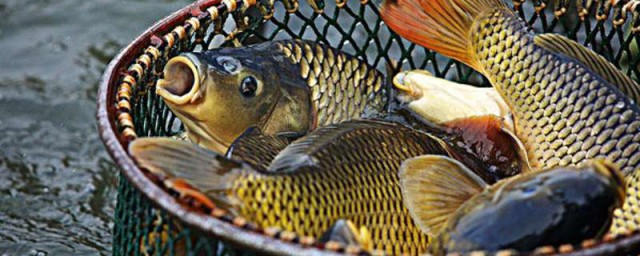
column 461, row 213
column 347, row 171
column 569, row 104
column 280, row 86
column 563, row 206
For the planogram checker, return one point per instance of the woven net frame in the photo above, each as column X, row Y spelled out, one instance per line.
column 148, row 222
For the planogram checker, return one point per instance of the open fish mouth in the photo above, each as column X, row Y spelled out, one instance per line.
column 181, row 81
column 404, row 83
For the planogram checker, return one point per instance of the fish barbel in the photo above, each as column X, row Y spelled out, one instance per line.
column 569, row 104
column 280, row 86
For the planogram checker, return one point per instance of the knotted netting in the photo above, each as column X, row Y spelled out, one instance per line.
column 611, row 28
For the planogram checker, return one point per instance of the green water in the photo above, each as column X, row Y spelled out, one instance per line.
column 57, row 183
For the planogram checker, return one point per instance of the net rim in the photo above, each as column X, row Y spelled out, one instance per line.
column 115, row 143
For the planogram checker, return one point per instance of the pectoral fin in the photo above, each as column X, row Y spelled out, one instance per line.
column 434, row 187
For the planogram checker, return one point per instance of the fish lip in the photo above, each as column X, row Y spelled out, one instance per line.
column 399, row 83
column 165, row 87
column 407, row 92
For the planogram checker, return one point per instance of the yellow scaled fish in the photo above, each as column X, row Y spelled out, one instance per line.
column 569, row 104
column 281, row 86
column 338, row 172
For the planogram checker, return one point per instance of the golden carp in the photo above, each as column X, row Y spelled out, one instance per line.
column 461, row 213
column 569, row 104
column 282, row 86
column 481, row 142
column 347, row 171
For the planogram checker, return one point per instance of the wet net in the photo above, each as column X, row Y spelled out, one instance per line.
column 611, row 28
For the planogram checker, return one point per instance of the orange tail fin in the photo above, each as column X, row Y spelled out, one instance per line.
column 441, row 25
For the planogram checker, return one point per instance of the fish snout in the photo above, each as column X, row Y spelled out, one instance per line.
column 406, row 86
column 182, row 79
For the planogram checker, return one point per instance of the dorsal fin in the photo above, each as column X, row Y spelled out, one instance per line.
column 300, row 152
column 567, row 47
column 434, row 187
column 257, row 149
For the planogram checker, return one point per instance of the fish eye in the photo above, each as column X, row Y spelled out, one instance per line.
column 249, row 86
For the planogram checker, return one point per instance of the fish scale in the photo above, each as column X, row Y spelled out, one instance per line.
column 313, row 200
column 545, row 130
column 347, row 78
column 281, row 86
column 567, row 99
column 566, row 108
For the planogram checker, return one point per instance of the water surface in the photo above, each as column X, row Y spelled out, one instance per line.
column 57, row 183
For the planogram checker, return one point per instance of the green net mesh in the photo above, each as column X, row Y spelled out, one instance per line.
column 352, row 27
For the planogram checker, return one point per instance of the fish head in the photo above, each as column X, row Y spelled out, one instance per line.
column 439, row 100
column 220, row 94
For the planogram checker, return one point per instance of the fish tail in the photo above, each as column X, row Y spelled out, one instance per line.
column 441, row 25
column 196, row 172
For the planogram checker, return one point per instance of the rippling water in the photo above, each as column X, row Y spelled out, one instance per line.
column 57, row 183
